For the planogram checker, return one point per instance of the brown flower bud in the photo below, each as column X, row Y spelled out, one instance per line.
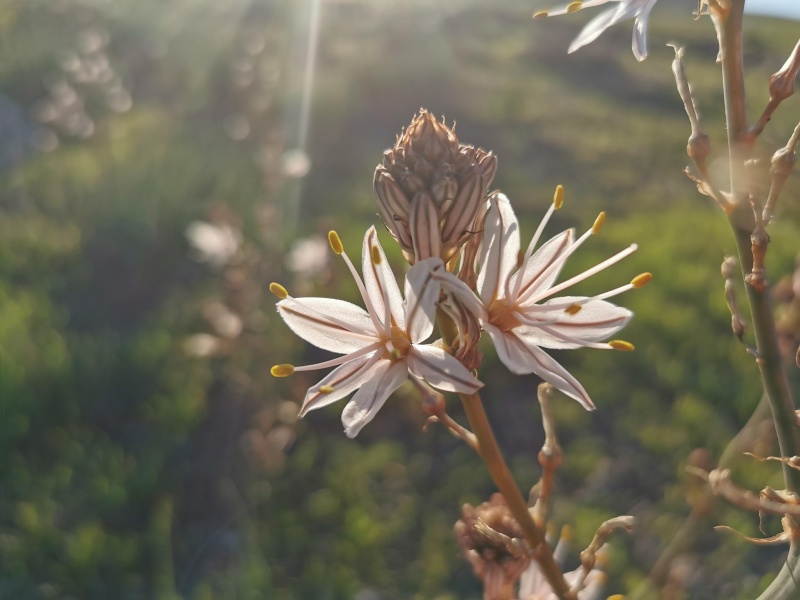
column 454, row 178
column 492, row 542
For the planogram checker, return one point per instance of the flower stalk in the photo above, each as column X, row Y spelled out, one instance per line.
column 504, row 480
column 728, row 23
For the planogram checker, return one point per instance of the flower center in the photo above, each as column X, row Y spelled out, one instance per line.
column 502, row 316
column 398, row 344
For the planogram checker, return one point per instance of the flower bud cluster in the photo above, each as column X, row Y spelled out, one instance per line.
column 430, row 189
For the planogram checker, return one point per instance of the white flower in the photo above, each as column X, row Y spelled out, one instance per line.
column 521, row 315
column 381, row 345
column 213, row 244
column 534, row 586
column 626, row 9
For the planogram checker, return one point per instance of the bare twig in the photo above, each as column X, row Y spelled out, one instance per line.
column 550, row 457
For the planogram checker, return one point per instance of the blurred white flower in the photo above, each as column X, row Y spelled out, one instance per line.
column 308, row 256
column 625, row 9
column 202, row 345
column 534, row 586
column 212, row 244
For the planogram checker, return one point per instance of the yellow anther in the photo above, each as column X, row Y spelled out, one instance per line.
column 558, row 197
column 574, row 6
column 325, row 389
column 282, row 370
column 335, row 242
column 278, row 290
column 541, row 14
column 376, row 255
column 641, row 280
column 616, row 597
column 567, row 533
column 598, row 222
column 573, row 309
column 622, row 345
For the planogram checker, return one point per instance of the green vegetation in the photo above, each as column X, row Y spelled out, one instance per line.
column 137, row 463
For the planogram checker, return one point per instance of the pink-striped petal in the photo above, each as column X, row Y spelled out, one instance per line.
column 441, row 370
column 542, row 269
column 522, row 358
column 333, row 325
column 423, row 222
column 383, row 285
column 344, row 380
column 422, row 293
column 499, row 249
column 386, row 377
column 596, row 321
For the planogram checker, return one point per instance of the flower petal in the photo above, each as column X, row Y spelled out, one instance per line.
column 499, row 249
column 596, row 321
column 522, row 358
column 422, row 293
column 344, row 380
column 424, row 225
column 372, row 281
column 441, row 370
column 535, row 274
column 459, row 293
column 333, row 325
column 639, row 44
column 627, row 9
column 386, row 377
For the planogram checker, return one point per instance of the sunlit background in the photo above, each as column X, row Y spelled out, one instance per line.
column 162, row 162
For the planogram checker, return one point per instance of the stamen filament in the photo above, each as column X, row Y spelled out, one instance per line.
column 568, row 305
column 363, row 291
column 573, row 340
column 341, row 359
column 554, row 265
column 586, row 274
column 532, row 246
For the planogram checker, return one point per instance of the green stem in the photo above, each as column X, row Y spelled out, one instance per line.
column 728, row 23
column 784, row 586
column 770, row 364
column 504, row 480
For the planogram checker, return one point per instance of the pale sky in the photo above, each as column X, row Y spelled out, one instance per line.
column 779, row 8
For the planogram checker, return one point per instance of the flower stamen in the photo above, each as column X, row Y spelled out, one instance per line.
column 282, row 370
column 622, row 345
column 278, row 290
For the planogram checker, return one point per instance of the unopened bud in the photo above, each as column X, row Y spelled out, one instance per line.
column 698, row 147
column 781, row 84
column 427, row 161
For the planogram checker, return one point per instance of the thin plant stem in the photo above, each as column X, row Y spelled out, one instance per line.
column 729, row 31
column 742, row 222
column 504, row 480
